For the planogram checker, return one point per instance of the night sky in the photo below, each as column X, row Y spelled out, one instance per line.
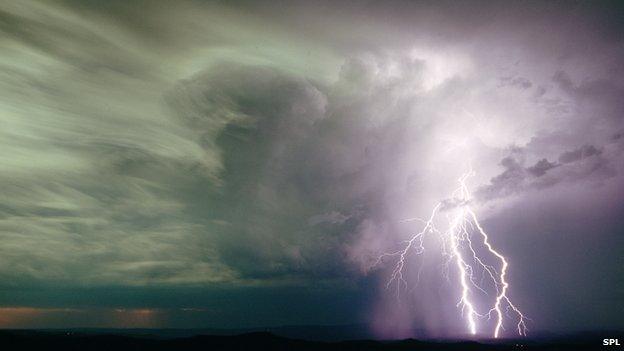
column 239, row 164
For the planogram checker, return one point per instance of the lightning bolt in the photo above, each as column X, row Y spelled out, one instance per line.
column 458, row 245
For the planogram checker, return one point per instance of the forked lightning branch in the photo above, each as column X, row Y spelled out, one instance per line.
column 466, row 248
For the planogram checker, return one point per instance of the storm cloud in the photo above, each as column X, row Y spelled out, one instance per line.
column 190, row 151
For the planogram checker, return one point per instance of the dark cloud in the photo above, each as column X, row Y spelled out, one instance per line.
column 212, row 155
column 541, row 167
column 263, row 123
column 579, row 154
column 580, row 164
column 508, row 182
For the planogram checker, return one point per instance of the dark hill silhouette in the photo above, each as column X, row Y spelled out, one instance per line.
column 70, row 341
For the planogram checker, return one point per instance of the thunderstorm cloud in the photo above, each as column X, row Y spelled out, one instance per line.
column 169, row 156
